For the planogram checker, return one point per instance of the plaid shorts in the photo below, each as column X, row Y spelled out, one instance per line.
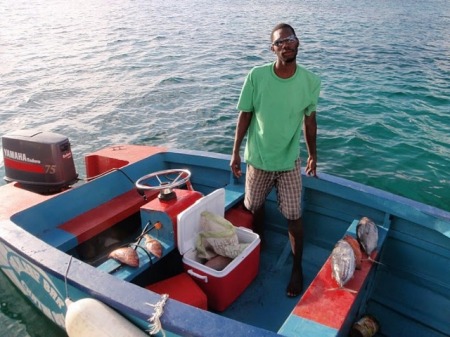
column 288, row 184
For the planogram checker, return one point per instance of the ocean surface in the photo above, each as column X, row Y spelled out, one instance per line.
column 169, row 73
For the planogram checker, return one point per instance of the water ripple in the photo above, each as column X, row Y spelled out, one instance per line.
column 170, row 73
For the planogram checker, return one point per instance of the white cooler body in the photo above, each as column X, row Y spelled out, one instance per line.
column 224, row 286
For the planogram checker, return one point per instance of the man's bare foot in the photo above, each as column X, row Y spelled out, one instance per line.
column 295, row 286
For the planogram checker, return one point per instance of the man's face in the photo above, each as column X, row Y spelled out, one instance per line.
column 285, row 45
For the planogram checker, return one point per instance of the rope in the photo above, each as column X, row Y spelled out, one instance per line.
column 65, row 276
column 155, row 323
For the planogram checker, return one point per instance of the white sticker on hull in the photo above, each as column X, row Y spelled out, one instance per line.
column 34, row 283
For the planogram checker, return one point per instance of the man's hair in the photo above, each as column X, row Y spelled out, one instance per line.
column 281, row 26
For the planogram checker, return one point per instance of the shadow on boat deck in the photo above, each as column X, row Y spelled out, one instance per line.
column 264, row 303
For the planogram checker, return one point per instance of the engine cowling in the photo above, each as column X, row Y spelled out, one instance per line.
column 40, row 161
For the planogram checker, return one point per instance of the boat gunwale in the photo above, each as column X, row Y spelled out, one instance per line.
column 37, row 251
column 101, row 285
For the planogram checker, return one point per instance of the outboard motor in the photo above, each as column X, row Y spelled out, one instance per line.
column 41, row 162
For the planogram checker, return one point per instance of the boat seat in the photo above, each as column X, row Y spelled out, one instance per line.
column 323, row 304
column 91, row 223
column 234, row 193
column 146, row 260
column 239, row 216
column 60, row 239
column 182, row 288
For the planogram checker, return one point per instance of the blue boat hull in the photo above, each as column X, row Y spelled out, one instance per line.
column 39, row 236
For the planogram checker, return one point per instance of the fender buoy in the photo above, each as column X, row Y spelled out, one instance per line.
column 91, row 318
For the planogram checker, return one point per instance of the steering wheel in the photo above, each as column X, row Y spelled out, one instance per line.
column 166, row 179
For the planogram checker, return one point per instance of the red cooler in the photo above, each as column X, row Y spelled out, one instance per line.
column 224, row 286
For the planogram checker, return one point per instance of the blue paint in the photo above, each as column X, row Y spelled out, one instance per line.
column 415, row 250
column 63, row 207
column 165, row 236
column 59, row 238
column 233, row 195
column 296, row 326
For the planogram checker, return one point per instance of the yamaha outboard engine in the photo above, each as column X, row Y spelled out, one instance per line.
column 40, row 161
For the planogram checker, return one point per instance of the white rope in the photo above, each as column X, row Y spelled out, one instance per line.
column 155, row 323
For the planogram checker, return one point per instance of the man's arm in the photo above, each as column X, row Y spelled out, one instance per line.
column 310, row 131
column 241, row 129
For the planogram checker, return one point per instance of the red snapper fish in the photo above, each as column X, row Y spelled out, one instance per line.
column 153, row 245
column 342, row 263
column 125, row 255
column 367, row 234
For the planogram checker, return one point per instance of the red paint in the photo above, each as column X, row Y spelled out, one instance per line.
column 181, row 288
column 240, row 217
column 95, row 221
column 15, row 199
column 225, row 286
column 118, row 156
column 323, row 302
column 173, row 207
column 24, row 166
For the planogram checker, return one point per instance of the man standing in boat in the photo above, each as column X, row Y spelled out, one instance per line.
column 278, row 100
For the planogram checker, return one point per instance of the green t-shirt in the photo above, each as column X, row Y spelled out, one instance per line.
column 278, row 105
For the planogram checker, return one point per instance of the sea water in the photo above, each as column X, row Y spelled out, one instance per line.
column 169, row 73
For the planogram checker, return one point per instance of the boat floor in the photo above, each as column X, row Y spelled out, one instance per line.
column 265, row 303
column 266, row 295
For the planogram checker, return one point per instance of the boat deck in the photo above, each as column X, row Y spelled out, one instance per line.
column 266, row 295
column 414, row 255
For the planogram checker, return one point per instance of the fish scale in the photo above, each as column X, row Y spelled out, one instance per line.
column 367, row 234
column 356, row 250
column 153, row 245
column 342, row 262
column 125, row 255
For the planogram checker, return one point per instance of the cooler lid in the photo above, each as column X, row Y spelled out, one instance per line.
column 188, row 221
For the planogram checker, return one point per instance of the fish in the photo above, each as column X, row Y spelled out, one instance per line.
column 342, row 263
column 125, row 255
column 218, row 262
column 153, row 245
column 356, row 250
column 367, row 234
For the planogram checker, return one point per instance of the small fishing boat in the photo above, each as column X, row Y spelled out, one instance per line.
column 65, row 241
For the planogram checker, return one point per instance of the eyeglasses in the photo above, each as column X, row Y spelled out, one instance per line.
column 290, row 39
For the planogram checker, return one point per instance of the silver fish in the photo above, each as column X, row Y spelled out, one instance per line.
column 342, row 262
column 367, row 234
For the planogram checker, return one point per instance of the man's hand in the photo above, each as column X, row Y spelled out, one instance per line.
column 310, row 129
column 235, row 165
column 311, row 166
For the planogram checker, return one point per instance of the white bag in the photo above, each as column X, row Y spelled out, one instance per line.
column 217, row 238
